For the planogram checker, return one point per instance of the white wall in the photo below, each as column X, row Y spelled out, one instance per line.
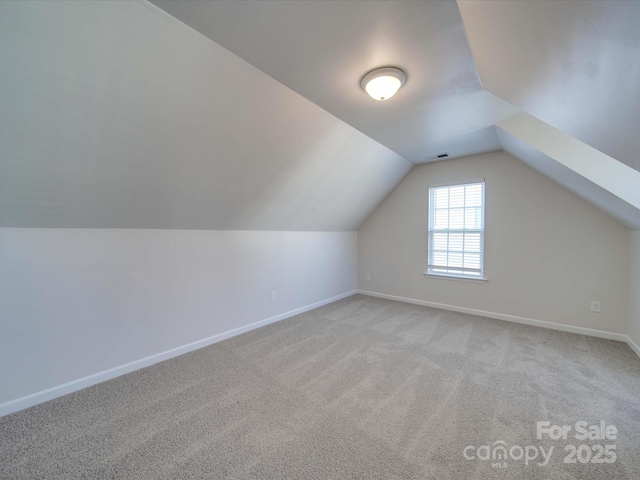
column 548, row 252
column 633, row 328
column 75, row 302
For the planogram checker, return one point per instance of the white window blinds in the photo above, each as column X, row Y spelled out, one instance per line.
column 456, row 230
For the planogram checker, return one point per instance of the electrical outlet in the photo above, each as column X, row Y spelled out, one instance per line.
column 367, row 277
column 274, row 296
column 595, row 306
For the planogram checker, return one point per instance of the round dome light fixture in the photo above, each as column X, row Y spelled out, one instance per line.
column 383, row 83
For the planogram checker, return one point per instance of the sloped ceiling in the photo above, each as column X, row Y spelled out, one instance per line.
column 115, row 114
column 322, row 49
column 573, row 64
column 603, row 181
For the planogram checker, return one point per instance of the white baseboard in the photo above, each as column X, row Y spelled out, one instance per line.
column 592, row 332
column 634, row 346
column 69, row 387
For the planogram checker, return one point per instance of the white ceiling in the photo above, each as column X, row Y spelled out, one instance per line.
column 573, row 64
column 322, row 49
column 116, row 114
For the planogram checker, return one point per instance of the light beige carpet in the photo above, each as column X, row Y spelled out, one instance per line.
column 363, row 388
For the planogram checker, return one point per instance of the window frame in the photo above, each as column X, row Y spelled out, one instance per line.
column 480, row 277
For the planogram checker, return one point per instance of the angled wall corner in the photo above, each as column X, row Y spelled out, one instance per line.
column 598, row 178
column 569, row 63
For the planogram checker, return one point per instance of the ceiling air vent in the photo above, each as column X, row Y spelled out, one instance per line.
column 441, row 156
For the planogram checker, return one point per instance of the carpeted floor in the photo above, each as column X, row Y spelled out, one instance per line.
column 363, row 388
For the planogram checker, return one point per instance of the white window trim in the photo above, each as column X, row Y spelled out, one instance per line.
column 460, row 278
column 453, row 276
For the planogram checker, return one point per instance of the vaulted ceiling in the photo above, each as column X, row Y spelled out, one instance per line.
column 573, row 65
column 115, row 114
column 322, row 49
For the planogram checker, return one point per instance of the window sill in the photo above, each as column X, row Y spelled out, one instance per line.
column 453, row 277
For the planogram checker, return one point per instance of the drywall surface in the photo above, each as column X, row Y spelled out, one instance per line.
column 441, row 108
column 75, row 302
column 590, row 191
column 116, row 115
column 633, row 329
column 548, row 253
column 607, row 172
column 567, row 63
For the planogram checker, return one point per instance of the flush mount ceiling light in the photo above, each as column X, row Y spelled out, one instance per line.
column 383, row 83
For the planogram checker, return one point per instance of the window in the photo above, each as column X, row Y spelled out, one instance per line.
column 456, row 230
